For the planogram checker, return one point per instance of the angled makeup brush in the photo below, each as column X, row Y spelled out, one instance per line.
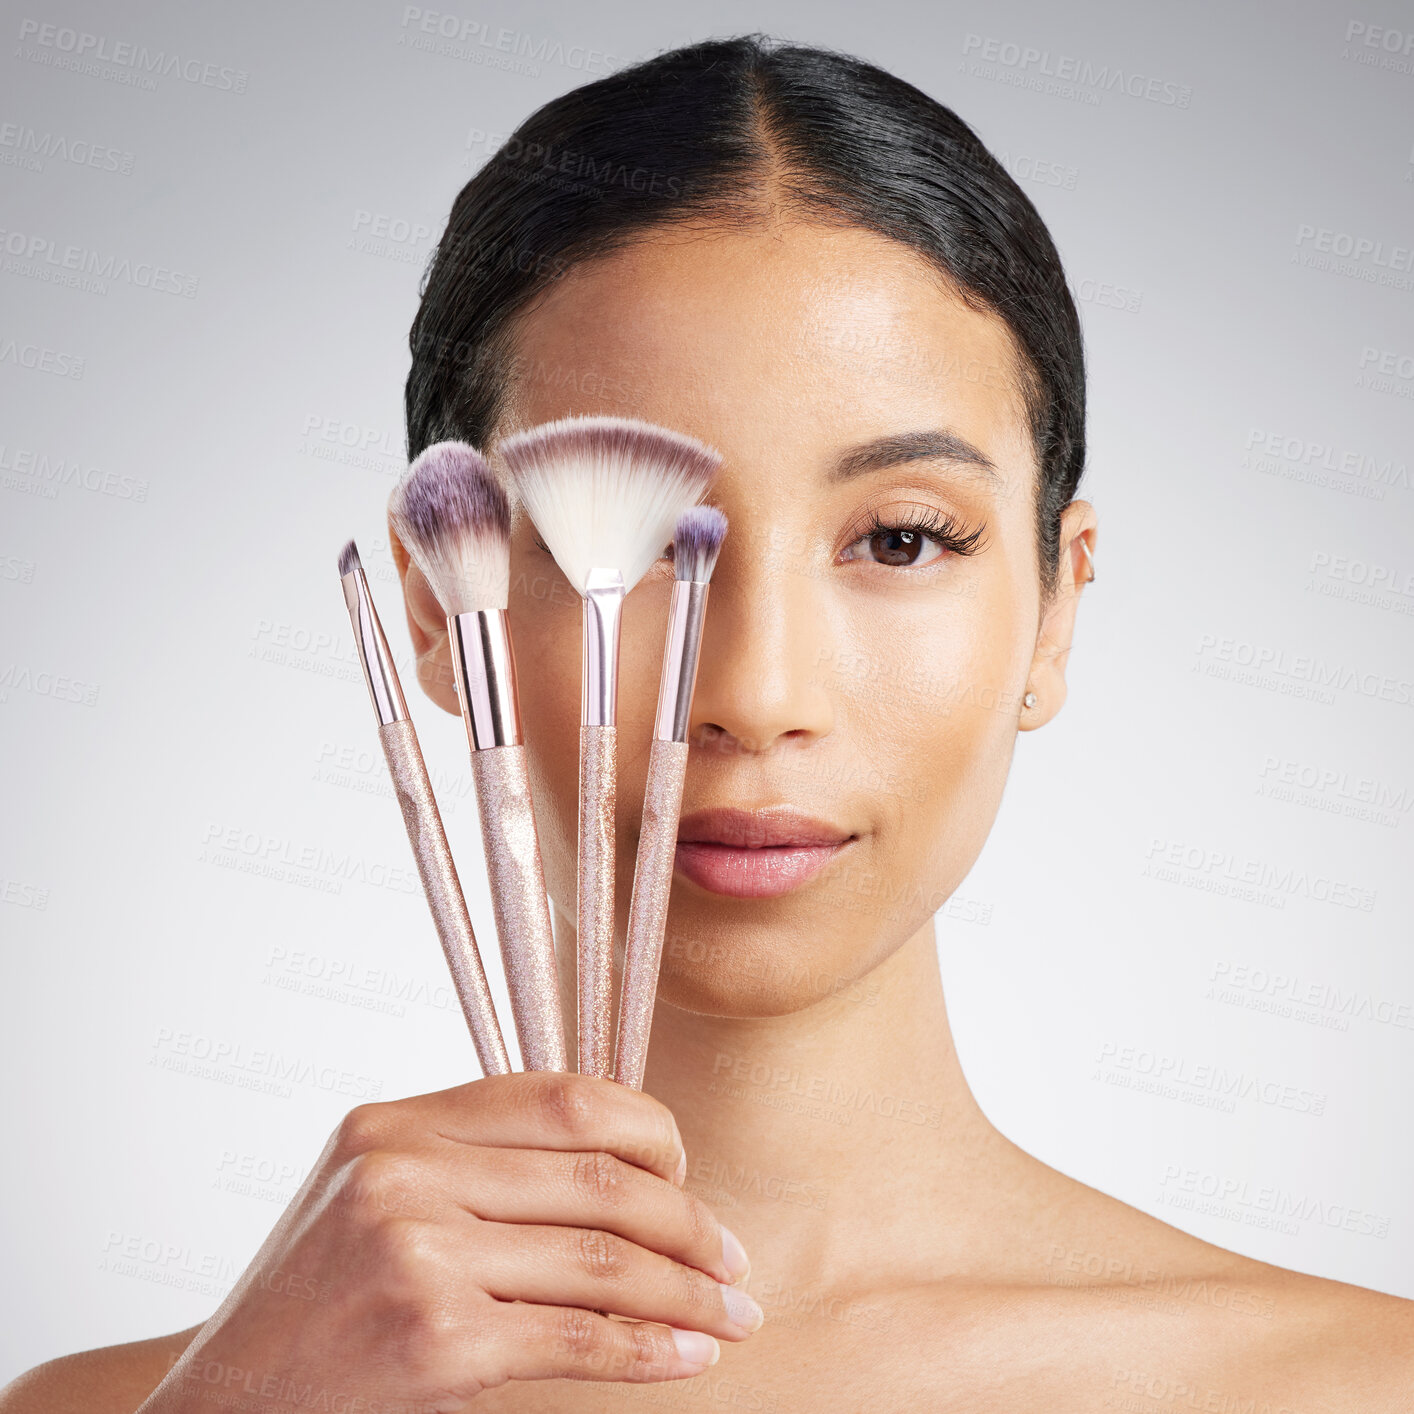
column 605, row 494
column 696, row 543
column 453, row 517
column 422, row 818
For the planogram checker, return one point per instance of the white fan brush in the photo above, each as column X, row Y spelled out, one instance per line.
column 605, row 494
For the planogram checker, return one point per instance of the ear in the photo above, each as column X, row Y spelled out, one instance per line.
column 1078, row 531
column 427, row 627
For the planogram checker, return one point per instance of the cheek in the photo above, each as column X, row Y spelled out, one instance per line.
column 923, row 681
column 645, row 621
column 909, row 668
column 545, row 629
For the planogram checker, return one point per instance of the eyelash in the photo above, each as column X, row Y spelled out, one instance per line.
column 935, row 525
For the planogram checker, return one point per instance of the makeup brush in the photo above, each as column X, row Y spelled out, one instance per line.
column 605, row 494
column 422, row 819
column 696, row 543
column 453, row 517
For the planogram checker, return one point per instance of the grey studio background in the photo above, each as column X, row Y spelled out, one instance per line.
column 1180, row 970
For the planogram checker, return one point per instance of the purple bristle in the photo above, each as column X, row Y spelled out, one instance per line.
column 697, row 541
column 349, row 560
column 453, row 517
column 450, row 490
column 626, row 440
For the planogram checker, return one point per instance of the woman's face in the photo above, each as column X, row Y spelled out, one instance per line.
column 864, row 676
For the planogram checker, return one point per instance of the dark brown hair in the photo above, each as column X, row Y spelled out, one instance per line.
column 717, row 131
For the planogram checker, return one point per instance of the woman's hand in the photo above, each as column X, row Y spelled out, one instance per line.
column 448, row 1243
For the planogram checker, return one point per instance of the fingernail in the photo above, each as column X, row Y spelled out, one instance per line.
column 734, row 1256
column 741, row 1309
column 697, row 1347
column 681, row 1174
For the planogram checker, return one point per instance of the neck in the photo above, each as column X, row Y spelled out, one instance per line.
column 820, row 1137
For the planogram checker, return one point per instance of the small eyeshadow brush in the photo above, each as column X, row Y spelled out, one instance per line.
column 422, row 819
column 697, row 541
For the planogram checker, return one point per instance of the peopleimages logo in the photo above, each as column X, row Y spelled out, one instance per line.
column 41, row 257
column 26, row 470
column 1306, row 459
column 1295, row 674
column 23, row 146
column 41, row 359
column 441, row 32
column 1386, row 371
column 1071, row 69
column 1253, row 1200
column 1345, row 790
column 1213, row 1086
column 19, row 677
column 1171, row 859
column 254, row 852
column 1354, row 256
column 1379, row 46
column 254, row 1068
column 60, row 47
column 1289, row 994
column 1355, row 247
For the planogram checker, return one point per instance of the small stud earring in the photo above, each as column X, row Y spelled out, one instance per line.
column 1029, row 700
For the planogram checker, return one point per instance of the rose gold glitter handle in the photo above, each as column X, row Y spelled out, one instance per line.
column 595, row 904
column 444, row 891
column 648, row 907
column 519, row 903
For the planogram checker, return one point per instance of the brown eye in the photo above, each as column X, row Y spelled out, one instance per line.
column 896, row 547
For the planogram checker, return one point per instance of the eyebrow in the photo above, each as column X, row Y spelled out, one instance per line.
column 935, row 445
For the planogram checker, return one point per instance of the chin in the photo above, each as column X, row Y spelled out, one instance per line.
column 761, row 958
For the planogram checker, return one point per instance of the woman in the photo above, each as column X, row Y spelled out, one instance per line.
column 817, row 269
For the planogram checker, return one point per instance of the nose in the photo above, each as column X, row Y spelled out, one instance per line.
column 757, row 689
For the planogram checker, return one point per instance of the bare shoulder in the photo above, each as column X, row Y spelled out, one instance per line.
column 115, row 1379
column 1191, row 1320
column 1339, row 1344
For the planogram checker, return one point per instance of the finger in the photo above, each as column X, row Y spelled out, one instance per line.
column 567, row 1342
column 588, row 1189
column 586, row 1267
column 537, row 1109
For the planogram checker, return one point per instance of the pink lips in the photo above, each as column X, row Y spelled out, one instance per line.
column 755, row 853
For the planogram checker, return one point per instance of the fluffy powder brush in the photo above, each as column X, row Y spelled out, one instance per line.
column 454, row 519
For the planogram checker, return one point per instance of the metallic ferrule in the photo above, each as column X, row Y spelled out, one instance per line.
column 680, row 652
column 485, row 669
column 373, row 651
column 603, row 605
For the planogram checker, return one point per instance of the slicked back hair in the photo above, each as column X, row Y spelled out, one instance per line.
column 727, row 131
